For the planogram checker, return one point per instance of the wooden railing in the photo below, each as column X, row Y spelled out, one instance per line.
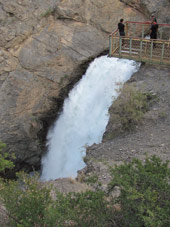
column 137, row 46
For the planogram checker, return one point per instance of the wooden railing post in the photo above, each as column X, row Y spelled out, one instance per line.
column 140, row 53
column 110, row 45
column 126, row 29
column 151, row 51
column 162, row 54
column 161, row 33
column 120, row 46
column 142, row 31
column 130, row 48
column 134, row 30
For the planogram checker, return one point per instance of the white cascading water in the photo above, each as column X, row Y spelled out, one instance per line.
column 85, row 116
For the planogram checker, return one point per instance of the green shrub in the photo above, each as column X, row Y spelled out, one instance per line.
column 29, row 204
column 144, row 199
column 81, row 209
column 128, row 110
column 50, row 11
column 4, row 162
column 145, row 192
column 26, row 201
column 91, row 179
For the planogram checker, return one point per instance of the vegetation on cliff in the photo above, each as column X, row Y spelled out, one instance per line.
column 128, row 110
column 4, row 162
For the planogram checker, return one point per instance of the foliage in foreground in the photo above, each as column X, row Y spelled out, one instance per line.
column 144, row 200
column 145, row 192
column 81, row 209
column 30, row 204
column 26, row 201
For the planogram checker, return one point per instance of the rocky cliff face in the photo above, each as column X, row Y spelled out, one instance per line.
column 45, row 47
column 159, row 8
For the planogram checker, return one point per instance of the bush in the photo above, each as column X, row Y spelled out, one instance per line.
column 128, row 109
column 145, row 190
column 4, row 162
column 29, row 204
column 49, row 12
column 81, row 209
column 144, row 199
column 26, row 201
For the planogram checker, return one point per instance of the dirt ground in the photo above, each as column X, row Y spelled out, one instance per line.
column 152, row 137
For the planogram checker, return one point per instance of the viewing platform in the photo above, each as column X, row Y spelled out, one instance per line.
column 138, row 46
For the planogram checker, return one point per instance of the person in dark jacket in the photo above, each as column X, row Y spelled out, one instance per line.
column 154, row 31
column 121, row 28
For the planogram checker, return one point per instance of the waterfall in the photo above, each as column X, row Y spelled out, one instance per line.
column 84, row 117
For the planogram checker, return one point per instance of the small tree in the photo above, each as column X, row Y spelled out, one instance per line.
column 4, row 162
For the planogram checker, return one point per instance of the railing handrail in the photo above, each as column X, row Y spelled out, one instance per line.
column 146, row 22
column 137, row 38
column 113, row 32
column 135, row 22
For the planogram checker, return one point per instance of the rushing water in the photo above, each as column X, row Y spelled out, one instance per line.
column 85, row 116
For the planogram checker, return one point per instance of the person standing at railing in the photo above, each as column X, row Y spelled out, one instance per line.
column 154, row 31
column 121, row 28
